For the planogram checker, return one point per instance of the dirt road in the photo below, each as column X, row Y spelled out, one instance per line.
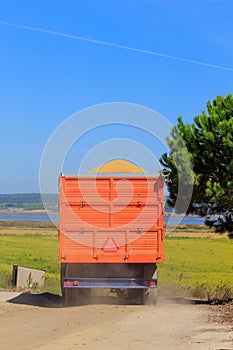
column 167, row 326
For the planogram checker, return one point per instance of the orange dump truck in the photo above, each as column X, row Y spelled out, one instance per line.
column 111, row 233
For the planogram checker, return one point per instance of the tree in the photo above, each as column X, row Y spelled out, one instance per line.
column 209, row 144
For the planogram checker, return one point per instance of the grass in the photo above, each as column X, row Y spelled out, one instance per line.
column 35, row 251
column 197, row 265
column 27, row 228
column 200, row 266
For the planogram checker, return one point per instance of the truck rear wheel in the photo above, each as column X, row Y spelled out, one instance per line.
column 76, row 297
column 150, row 296
column 73, row 296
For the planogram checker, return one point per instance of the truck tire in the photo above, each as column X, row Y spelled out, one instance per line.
column 73, row 296
column 150, row 296
column 76, row 297
column 62, row 276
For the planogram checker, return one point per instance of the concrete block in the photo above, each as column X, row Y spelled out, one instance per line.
column 25, row 277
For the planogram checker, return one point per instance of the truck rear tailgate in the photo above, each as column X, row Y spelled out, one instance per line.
column 111, row 219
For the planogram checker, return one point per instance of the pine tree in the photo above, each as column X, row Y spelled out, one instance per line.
column 209, row 143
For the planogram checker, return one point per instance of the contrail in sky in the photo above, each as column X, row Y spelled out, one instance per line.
column 119, row 46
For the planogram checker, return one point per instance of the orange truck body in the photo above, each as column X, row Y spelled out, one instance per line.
column 111, row 235
column 111, row 219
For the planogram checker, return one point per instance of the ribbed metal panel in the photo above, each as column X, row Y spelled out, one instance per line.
column 127, row 210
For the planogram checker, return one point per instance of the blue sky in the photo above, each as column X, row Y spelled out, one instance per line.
column 46, row 78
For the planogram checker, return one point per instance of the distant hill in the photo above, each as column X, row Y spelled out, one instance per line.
column 27, row 201
column 33, row 201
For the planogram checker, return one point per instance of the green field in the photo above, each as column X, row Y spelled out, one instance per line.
column 35, row 251
column 194, row 266
column 203, row 267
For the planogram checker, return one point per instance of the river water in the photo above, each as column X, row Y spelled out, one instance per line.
column 27, row 217
column 45, row 218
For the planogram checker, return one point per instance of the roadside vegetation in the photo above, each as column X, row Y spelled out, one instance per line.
column 200, row 158
column 199, row 265
column 27, row 201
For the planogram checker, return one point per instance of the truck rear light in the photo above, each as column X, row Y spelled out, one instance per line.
column 67, row 284
column 75, row 283
column 145, row 283
column 152, row 284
